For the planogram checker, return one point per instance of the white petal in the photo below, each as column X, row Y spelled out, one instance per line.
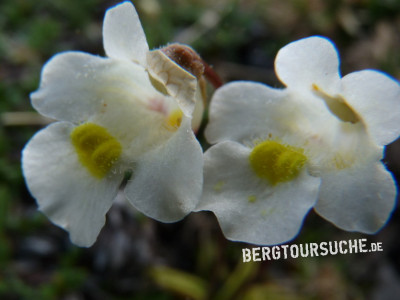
column 357, row 199
column 66, row 193
column 244, row 111
column 312, row 60
column 248, row 208
column 376, row 98
column 76, row 85
column 167, row 181
column 198, row 112
column 178, row 82
column 123, row 35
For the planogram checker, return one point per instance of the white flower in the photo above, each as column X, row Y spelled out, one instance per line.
column 114, row 122
column 279, row 150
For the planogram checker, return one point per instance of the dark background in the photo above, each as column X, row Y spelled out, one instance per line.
column 136, row 257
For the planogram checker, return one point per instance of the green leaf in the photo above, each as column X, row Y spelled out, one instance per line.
column 269, row 291
column 180, row 282
column 243, row 273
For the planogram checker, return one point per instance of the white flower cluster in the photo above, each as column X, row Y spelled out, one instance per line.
column 128, row 121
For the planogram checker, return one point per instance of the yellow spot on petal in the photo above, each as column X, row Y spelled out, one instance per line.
column 337, row 105
column 267, row 212
column 97, row 149
column 275, row 162
column 219, row 185
column 341, row 162
column 252, row 198
column 174, row 119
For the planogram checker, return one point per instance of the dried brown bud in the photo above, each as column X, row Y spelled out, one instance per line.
column 186, row 57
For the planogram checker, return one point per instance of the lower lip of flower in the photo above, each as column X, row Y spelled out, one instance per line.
column 276, row 162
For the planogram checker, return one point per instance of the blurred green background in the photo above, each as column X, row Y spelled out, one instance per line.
column 136, row 257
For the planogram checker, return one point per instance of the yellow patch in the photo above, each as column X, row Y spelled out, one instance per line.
column 341, row 162
column 174, row 119
column 97, row 149
column 267, row 212
column 276, row 162
column 338, row 106
column 252, row 198
column 219, row 185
